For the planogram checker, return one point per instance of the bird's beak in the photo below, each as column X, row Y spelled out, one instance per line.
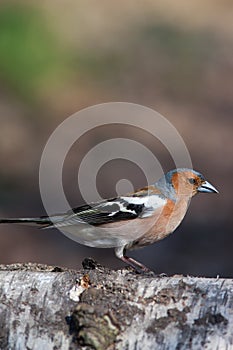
column 207, row 187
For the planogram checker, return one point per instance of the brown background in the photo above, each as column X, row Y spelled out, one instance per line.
column 61, row 56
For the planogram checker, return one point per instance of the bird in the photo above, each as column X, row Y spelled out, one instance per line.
column 130, row 221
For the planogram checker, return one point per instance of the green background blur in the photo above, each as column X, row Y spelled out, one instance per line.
column 58, row 57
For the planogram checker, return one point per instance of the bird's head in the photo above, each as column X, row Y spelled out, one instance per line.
column 187, row 182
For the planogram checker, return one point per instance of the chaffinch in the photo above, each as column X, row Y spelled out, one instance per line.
column 131, row 221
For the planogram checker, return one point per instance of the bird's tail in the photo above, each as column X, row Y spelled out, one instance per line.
column 40, row 221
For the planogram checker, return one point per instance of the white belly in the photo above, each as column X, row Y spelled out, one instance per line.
column 109, row 235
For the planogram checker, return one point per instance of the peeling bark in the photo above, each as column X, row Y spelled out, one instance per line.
column 44, row 307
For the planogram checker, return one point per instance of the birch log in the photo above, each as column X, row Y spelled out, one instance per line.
column 49, row 308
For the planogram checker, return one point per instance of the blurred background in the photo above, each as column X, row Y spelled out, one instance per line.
column 175, row 57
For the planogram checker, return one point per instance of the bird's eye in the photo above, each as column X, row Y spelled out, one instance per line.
column 192, row 181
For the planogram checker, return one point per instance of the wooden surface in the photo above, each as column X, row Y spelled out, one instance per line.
column 44, row 307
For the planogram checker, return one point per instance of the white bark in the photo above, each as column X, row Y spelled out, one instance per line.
column 43, row 307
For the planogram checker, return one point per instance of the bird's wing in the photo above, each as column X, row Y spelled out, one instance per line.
column 111, row 210
column 104, row 212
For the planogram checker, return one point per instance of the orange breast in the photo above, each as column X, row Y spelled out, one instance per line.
column 164, row 224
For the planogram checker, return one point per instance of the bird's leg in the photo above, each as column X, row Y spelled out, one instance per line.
column 135, row 264
column 120, row 253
